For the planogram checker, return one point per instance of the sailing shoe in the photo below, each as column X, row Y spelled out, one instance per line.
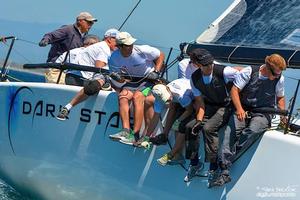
column 177, row 160
column 141, row 141
column 164, row 159
column 221, row 179
column 212, row 178
column 63, row 114
column 130, row 139
column 120, row 135
column 159, row 139
column 194, row 171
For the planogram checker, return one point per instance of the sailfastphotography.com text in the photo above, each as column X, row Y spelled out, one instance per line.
column 279, row 192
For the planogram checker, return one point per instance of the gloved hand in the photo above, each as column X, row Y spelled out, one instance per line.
column 154, row 75
column 117, row 77
column 43, row 43
column 283, row 123
column 197, row 127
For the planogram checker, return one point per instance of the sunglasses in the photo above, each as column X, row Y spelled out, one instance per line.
column 273, row 72
column 126, row 46
column 89, row 22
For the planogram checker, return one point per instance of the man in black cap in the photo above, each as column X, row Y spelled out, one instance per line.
column 211, row 85
column 67, row 37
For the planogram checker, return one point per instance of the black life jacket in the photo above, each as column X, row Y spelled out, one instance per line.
column 217, row 92
column 257, row 92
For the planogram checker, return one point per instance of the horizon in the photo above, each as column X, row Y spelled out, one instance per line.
column 177, row 25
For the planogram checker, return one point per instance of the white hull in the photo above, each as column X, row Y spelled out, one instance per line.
column 75, row 159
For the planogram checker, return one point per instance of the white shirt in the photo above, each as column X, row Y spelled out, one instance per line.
column 181, row 93
column 99, row 51
column 245, row 74
column 71, row 59
column 186, row 69
column 139, row 63
column 72, row 56
column 229, row 74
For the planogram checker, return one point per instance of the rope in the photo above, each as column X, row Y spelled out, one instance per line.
column 171, row 64
column 125, row 72
column 27, row 41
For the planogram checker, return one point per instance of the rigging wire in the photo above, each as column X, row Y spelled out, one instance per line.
column 27, row 41
column 34, row 43
column 20, row 55
column 18, row 52
column 129, row 15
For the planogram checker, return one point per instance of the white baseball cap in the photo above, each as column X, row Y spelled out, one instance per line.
column 125, row 38
column 161, row 92
column 111, row 33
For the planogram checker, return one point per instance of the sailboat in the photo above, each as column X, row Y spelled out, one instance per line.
column 74, row 159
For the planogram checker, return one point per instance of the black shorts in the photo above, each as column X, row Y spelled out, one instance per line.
column 186, row 125
column 73, row 79
column 179, row 111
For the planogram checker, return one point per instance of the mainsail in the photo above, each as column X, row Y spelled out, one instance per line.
column 251, row 29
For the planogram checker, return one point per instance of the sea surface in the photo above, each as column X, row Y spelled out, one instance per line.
column 17, row 75
column 8, row 193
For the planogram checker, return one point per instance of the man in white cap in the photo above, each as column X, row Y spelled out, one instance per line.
column 96, row 55
column 177, row 95
column 68, row 37
column 141, row 63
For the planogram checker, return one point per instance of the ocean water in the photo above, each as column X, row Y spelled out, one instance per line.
column 17, row 75
column 9, row 193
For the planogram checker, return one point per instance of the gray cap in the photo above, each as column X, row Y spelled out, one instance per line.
column 86, row 16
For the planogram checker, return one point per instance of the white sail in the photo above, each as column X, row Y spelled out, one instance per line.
column 268, row 24
column 224, row 22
